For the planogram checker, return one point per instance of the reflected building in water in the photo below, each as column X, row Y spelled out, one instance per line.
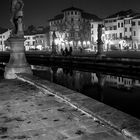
column 119, row 82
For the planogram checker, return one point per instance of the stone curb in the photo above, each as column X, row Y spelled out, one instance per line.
column 122, row 122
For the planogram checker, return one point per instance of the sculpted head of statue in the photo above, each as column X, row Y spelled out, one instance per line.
column 16, row 17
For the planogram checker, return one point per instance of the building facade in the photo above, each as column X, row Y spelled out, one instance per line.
column 37, row 39
column 122, row 31
column 29, row 43
column 72, row 28
column 4, row 35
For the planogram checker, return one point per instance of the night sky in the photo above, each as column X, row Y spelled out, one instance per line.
column 37, row 12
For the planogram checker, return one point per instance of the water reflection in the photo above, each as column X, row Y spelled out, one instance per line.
column 119, row 92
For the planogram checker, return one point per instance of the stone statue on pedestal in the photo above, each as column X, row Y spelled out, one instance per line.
column 17, row 63
column 17, row 17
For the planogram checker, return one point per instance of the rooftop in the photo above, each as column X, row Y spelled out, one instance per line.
column 127, row 13
column 85, row 15
column 72, row 9
column 38, row 30
column 3, row 30
column 57, row 17
column 91, row 16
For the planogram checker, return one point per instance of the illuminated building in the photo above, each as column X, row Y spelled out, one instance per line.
column 122, row 31
column 29, row 43
column 72, row 28
column 4, row 35
column 37, row 40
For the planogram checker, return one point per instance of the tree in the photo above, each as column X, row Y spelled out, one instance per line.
column 31, row 29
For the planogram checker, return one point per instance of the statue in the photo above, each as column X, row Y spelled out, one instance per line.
column 99, row 40
column 16, row 17
column 100, row 32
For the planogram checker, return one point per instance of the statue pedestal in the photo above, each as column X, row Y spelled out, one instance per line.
column 17, row 62
column 100, row 48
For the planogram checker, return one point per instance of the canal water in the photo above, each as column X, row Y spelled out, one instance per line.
column 121, row 92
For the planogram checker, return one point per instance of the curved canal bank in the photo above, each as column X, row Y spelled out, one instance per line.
column 122, row 122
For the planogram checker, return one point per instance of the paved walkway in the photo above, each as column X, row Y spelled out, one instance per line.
column 26, row 113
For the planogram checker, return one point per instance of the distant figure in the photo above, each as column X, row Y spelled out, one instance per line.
column 70, row 51
column 16, row 17
column 66, row 51
column 62, row 51
column 81, row 49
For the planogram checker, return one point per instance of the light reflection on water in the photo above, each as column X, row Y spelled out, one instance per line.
column 120, row 92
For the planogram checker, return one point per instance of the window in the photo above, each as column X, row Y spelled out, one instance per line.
column 115, row 27
column 33, row 42
column 71, row 19
column 138, row 22
column 121, row 24
column 75, row 13
column 125, row 29
column 130, row 29
column 118, row 25
column 71, row 12
column 120, row 35
column 127, row 22
column 134, row 33
column 133, row 23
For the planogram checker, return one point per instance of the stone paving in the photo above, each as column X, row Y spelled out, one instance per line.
column 26, row 113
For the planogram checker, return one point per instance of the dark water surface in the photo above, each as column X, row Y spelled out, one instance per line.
column 121, row 92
